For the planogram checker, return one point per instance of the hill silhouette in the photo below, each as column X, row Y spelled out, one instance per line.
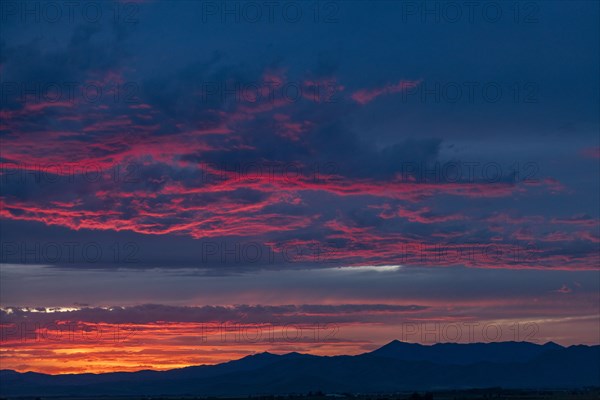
column 397, row 366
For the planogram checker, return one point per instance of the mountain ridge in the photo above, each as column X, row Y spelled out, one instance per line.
column 393, row 342
column 395, row 366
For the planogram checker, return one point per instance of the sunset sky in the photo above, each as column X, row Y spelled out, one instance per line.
column 190, row 182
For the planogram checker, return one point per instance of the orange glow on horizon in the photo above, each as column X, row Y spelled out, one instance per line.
column 100, row 348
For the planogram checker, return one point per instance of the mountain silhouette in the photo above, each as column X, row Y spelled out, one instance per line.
column 397, row 366
column 457, row 353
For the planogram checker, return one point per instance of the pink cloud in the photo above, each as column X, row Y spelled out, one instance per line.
column 365, row 96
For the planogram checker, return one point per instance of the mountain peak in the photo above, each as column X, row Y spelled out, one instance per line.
column 397, row 342
column 552, row 344
column 264, row 354
column 256, row 356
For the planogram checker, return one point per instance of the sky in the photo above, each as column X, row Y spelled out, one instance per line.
column 190, row 182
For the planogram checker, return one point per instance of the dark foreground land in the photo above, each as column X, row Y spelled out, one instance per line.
column 473, row 394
